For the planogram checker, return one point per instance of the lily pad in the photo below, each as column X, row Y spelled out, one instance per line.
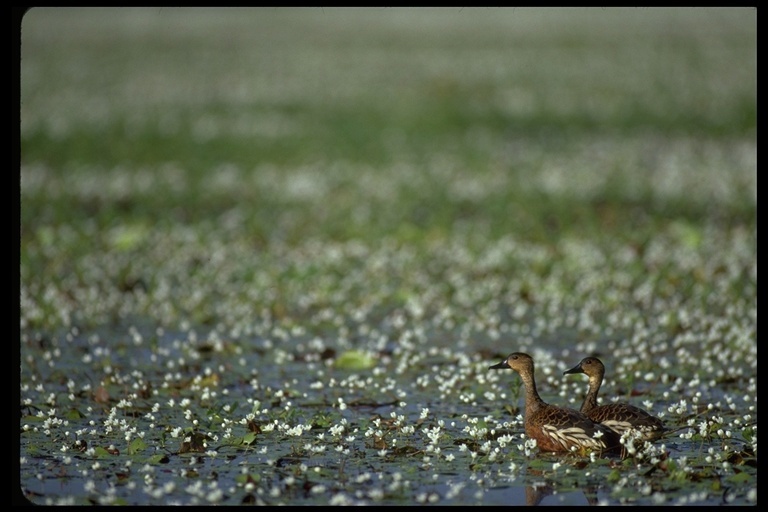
column 355, row 360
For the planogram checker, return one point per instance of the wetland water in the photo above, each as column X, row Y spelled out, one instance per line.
column 280, row 424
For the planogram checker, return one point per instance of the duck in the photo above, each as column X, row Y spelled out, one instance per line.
column 558, row 429
column 620, row 417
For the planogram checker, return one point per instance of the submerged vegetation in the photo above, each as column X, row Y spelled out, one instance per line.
column 267, row 255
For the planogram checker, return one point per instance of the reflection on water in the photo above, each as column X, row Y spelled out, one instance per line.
column 538, row 494
column 546, row 494
column 540, row 491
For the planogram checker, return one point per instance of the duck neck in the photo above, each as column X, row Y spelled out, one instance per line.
column 533, row 401
column 590, row 401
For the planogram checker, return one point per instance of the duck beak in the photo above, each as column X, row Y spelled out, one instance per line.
column 499, row 366
column 575, row 369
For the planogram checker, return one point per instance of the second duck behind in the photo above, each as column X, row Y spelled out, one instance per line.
column 619, row 417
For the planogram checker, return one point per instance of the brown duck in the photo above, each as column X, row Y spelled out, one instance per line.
column 619, row 417
column 557, row 429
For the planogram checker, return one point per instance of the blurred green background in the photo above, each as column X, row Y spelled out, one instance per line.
column 358, row 122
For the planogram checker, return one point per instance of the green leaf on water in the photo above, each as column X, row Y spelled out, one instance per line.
column 136, row 446
column 540, row 464
column 740, row 478
column 614, row 476
column 159, row 458
column 101, row 453
column 74, row 414
column 245, row 478
column 355, row 360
